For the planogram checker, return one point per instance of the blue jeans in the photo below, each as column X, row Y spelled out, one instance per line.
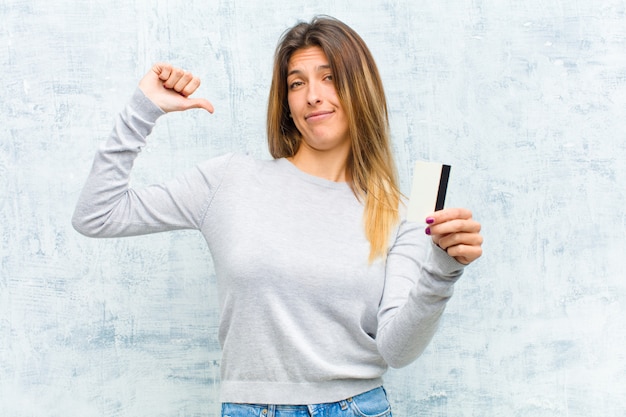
column 369, row 404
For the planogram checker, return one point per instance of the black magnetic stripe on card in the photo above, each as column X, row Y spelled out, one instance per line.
column 443, row 187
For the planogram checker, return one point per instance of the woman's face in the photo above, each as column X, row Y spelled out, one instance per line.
column 313, row 102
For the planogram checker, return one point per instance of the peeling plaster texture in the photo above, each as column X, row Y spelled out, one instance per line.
column 525, row 99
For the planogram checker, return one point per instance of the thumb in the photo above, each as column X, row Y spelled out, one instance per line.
column 199, row 103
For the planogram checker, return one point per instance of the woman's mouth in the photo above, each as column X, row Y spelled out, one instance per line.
column 318, row 115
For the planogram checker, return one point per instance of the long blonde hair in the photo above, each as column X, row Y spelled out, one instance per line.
column 360, row 90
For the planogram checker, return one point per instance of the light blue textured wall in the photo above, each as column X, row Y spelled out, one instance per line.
column 526, row 99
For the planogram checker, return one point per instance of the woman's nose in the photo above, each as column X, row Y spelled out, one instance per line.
column 313, row 94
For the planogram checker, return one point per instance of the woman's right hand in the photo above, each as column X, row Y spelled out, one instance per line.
column 169, row 88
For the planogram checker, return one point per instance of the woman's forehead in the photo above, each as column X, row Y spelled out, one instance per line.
column 305, row 57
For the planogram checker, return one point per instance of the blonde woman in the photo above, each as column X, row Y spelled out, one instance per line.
column 322, row 283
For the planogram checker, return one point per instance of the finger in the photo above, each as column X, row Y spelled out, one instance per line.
column 454, row 226
column 162, row 70
column 189, row 87
column 182, row 82
column 175, row 75
column 448, row 214
column 465, row 254
column 456, row 239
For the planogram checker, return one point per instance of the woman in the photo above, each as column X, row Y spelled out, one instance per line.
column 322, row 283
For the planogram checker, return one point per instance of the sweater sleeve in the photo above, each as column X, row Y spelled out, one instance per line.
column 108, row 207
column 419, row 282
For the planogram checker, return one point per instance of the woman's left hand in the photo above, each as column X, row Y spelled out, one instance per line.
column 454, row 231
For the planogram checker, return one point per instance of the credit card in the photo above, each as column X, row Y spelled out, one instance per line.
column 428, row 193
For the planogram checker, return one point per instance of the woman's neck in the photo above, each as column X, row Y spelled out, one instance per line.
column 332, row 166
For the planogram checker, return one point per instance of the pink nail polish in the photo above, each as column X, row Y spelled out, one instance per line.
column 427, row 230
column 430, row 220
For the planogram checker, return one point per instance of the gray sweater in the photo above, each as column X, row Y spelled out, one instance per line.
column 304, row 317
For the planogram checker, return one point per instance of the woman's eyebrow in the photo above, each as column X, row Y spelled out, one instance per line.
column 297, row 71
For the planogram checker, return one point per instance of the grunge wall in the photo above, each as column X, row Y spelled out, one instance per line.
column 526, row 101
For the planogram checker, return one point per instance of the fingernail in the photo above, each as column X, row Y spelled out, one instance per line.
column 427, row 230
column 430, row 220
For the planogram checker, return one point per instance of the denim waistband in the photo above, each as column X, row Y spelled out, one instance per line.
column 372, row 403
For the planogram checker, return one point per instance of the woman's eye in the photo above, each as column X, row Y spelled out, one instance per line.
column 295, row 84
column 329, row 77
